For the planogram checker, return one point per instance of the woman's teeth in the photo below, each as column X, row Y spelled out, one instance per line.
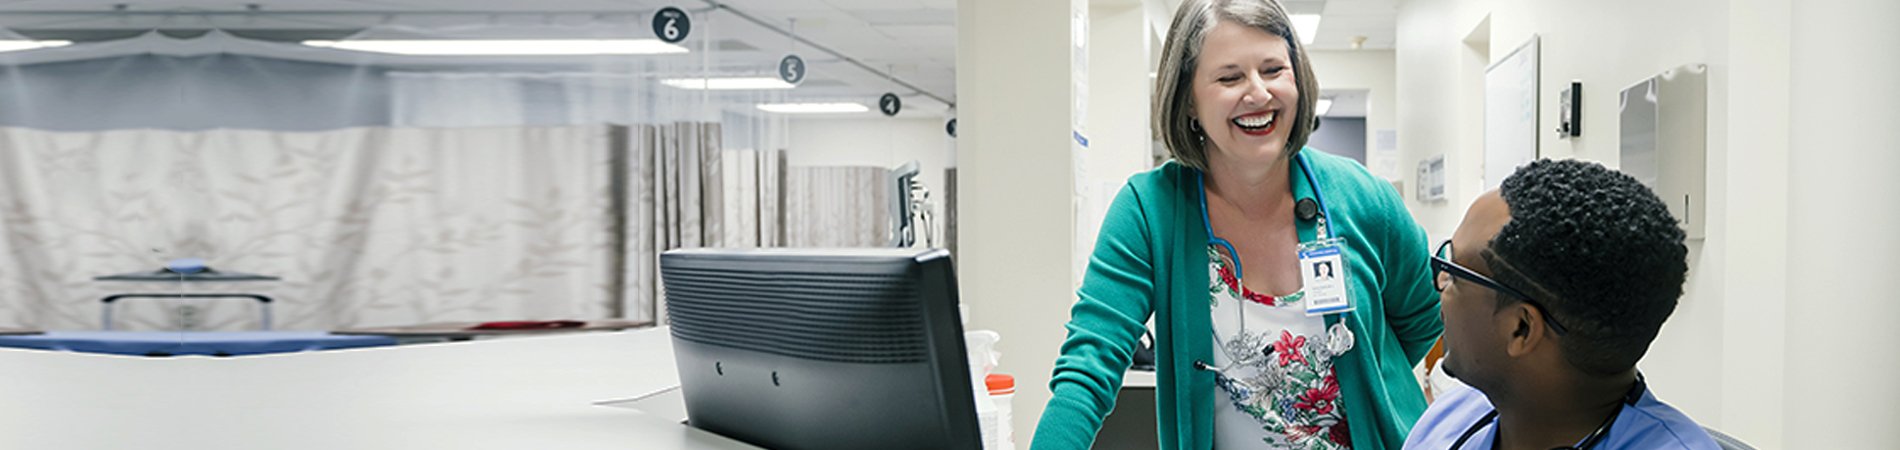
column 1254, row 122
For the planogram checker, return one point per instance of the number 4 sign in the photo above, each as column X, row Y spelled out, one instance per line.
column 890, row 104
column 671, row 24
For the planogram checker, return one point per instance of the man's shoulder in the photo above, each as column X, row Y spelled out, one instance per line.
column 1652, row 424
column 1449, row 415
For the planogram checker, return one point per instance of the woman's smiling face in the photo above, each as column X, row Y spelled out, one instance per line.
column 1245, row 94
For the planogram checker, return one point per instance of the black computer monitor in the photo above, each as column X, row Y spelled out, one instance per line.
column 821, row 349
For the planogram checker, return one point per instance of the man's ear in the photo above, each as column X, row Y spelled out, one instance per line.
column 1527, row 329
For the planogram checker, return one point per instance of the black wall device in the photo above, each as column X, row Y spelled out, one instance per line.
column 1570, row 110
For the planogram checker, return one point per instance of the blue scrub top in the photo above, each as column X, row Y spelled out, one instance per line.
column 1650, row 424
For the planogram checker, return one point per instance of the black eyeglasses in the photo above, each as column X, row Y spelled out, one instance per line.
column 1441, row 264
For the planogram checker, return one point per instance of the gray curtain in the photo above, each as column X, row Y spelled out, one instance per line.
column 755, row 198
column 838, row 206
column 674, row 199
column 682, row 191
column 365, row 226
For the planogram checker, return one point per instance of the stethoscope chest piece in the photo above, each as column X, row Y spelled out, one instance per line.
column 1306, row 209
column 1338, row 339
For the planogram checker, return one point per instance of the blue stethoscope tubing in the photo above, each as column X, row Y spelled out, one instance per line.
column 1320, row 197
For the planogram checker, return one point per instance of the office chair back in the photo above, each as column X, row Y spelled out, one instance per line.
column 1727, row 442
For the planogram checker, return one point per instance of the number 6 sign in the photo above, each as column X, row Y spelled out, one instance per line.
column 671, row 24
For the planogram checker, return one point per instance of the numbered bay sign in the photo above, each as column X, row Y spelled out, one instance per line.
column 890, row 104
column 791, row 69
column 671, row 24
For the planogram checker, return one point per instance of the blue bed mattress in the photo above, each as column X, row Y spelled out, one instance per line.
column 211, row 343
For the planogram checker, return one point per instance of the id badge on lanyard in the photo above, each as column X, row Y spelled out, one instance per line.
column 1323, row 264
column 1323, row 268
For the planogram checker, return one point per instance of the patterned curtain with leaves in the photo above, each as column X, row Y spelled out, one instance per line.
column 672, row 183
column 365, row 226
column 838, row 206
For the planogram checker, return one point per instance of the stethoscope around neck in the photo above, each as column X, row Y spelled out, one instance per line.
column 1303, row 209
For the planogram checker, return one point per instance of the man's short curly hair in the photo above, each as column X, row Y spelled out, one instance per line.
column 1600, row 250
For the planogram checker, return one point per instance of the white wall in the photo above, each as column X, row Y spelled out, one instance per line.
column 1794, row 173
column 1374, row 71
column 1608, row 47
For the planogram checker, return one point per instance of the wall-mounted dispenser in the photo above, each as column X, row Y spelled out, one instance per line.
column 1664, row 140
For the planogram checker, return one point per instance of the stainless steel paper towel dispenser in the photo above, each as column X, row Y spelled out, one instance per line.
column 1664, row 140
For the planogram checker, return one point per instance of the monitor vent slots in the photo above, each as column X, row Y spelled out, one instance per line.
column 849, row 319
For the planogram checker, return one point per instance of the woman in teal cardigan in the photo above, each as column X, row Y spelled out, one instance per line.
column 1216, row 246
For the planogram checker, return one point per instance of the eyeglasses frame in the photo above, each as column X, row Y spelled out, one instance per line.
column 1444, row 265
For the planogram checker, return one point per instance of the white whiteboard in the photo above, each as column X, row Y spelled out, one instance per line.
column 1510, row 113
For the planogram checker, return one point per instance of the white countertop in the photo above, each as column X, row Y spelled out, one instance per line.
column 531, row 392
column 1138, row 379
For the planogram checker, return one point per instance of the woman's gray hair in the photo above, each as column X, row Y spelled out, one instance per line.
column 1173, row 103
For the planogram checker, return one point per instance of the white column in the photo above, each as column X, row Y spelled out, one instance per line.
column 1118, row 131
column 1016, row 172
column 1754, row 228
column 1843, row 212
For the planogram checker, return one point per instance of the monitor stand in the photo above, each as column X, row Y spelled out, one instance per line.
column 666, row 403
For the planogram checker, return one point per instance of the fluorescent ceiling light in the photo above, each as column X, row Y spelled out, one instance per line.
column 1325, row 104
column 8, row 46
column 727, row 83
column 466, row 47
column 813, row 107
column 1307, row 25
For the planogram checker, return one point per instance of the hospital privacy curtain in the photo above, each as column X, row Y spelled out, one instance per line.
column 365, row 226
column 385, row 226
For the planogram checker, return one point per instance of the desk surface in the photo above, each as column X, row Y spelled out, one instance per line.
column 533, row 392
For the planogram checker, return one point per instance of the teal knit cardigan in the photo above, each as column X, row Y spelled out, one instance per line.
column 1151, row 259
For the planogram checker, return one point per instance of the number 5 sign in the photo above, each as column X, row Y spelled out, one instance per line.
column 791, row 69
column 671, row 24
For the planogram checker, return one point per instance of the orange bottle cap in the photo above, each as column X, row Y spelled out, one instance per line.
column 1000, row 384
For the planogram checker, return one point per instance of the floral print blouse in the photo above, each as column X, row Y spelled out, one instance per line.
column 1275, row 369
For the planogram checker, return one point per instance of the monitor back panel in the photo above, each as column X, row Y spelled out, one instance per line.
column 804, row 353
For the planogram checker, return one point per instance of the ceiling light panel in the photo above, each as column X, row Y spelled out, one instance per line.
column 813, row 108
column 1307, row 25
column 490, row 47
column 727, row 84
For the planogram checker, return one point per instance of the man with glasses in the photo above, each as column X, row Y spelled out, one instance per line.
column 1552, row 288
